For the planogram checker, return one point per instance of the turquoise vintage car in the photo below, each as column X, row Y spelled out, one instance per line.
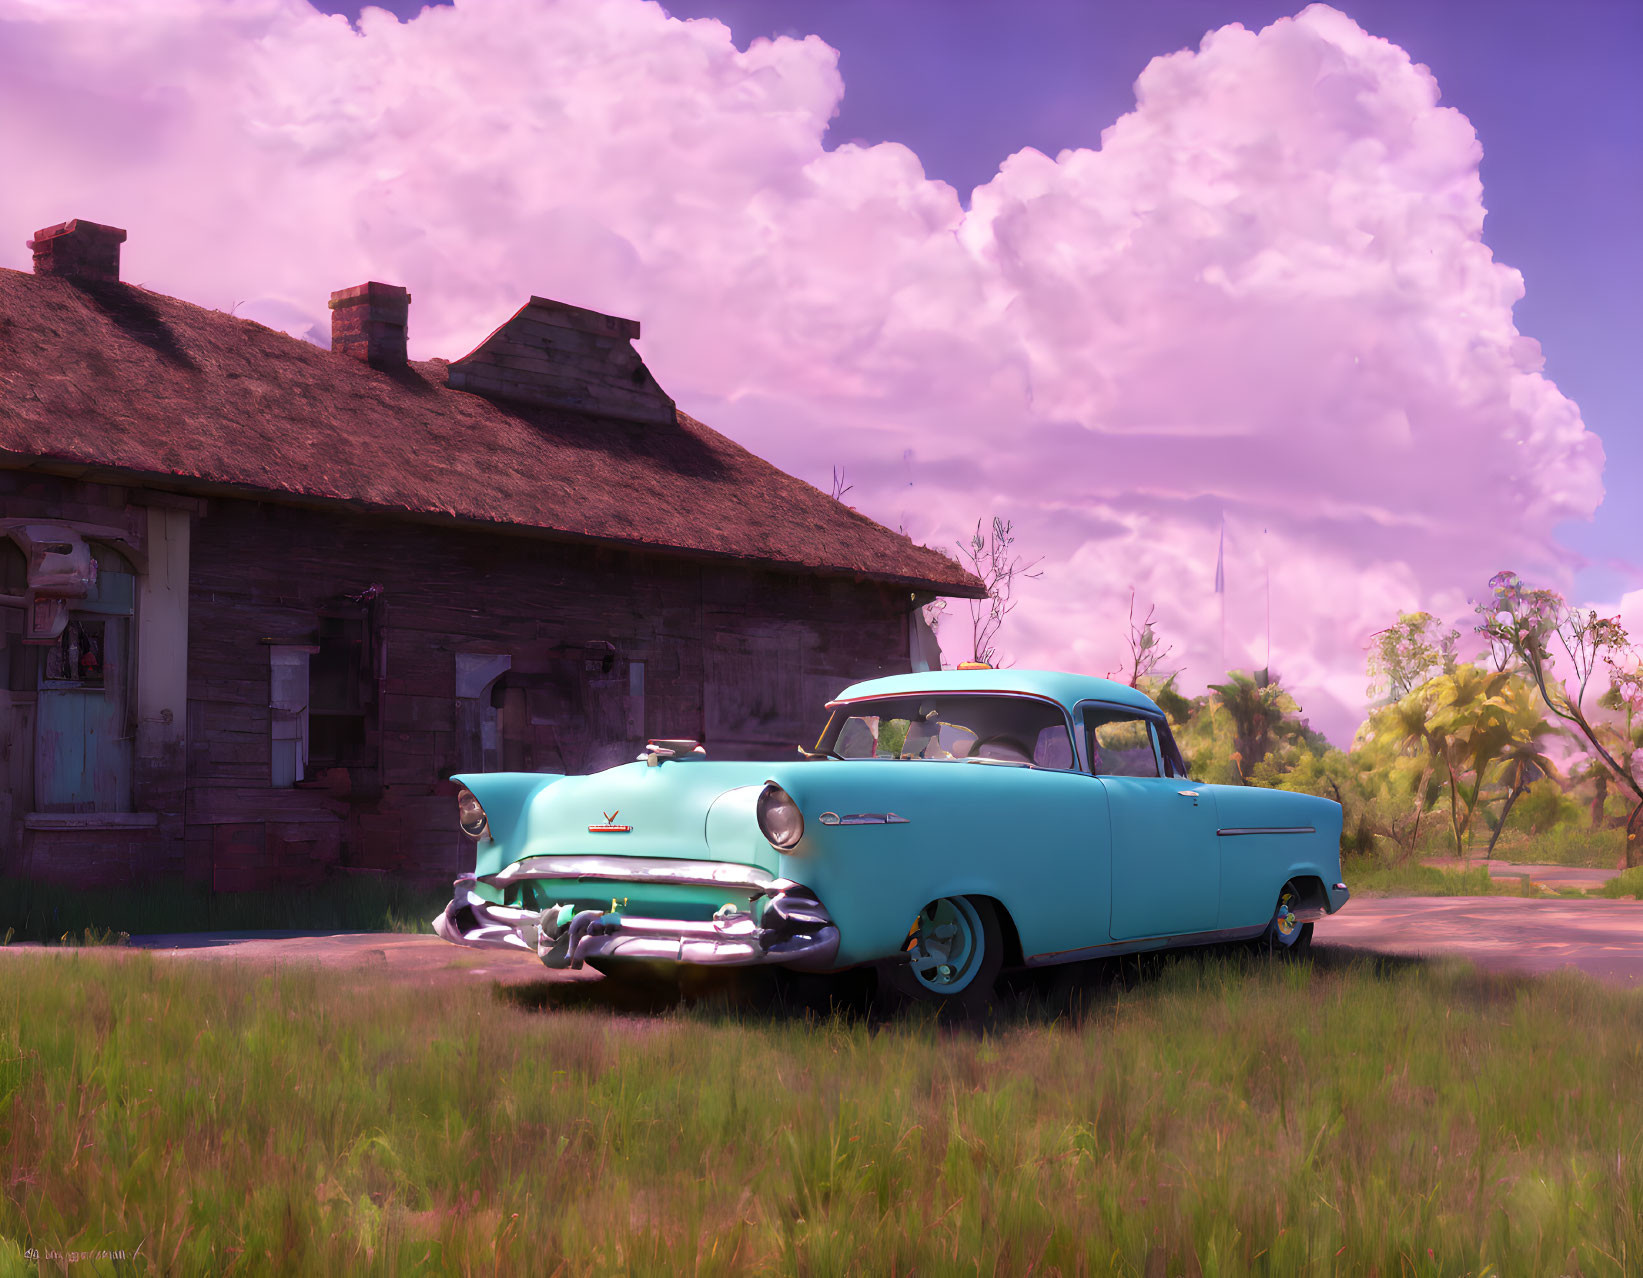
column 946, row 825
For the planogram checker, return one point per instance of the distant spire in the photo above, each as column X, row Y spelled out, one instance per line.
column 1221, row 586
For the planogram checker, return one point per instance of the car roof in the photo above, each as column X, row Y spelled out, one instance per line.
column 1058, row 685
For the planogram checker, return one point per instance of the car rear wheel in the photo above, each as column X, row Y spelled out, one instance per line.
column 1286, row 934
column 954, row 949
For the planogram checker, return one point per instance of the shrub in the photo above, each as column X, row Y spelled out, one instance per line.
column 1543, row 807
column 1626, row 883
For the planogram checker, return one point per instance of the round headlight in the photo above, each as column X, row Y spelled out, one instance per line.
column 779, row 817
column 469, row 815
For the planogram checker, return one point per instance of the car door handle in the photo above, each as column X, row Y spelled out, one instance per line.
column 1191, row 794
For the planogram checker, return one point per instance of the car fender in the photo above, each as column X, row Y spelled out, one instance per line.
column 506, row 798
column 1258, row 855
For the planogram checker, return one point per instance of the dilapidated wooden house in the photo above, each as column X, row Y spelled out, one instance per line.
column 260, row 600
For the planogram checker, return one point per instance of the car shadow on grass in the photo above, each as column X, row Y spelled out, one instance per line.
column 1066, row 994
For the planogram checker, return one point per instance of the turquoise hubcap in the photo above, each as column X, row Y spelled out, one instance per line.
column 946, row 945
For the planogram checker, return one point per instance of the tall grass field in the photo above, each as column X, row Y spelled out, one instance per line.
column 1206, row 1116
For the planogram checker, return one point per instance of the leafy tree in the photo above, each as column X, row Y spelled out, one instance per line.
column 991, row 559
column 1594, row 771
column 1400, row 743
column 1623, row 697
column 1524, row 759
column 1205, row 743
column 1520, row 624
column 1334, row 774
column 1178, row 708
column 1545, row 806
column 1460, row 725
column 1262, row 716
column 1407, row 654
column 1471, row 722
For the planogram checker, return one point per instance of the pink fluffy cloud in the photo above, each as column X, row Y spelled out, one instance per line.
column 1261, row 295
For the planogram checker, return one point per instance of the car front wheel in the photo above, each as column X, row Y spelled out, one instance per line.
column 954, row 951
column 1286, row 934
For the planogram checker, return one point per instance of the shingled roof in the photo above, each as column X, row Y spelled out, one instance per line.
column 112, row 377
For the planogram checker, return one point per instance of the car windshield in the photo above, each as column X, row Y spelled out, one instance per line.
column 1006, row 729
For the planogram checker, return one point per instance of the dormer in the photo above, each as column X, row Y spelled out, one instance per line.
column 565, row 357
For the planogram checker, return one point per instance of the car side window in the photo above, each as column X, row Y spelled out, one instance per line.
column 1054, row 748
column 1119, row 746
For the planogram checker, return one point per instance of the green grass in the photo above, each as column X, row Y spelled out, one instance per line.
column 1212, row 1116
column 1626, row 883
column 46, row 912
column 1568, row 845
column 1369, row 876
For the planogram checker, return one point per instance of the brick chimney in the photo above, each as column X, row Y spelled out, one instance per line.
column 79, row 249
column 368, row 322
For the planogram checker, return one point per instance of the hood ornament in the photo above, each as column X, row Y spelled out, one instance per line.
column 672, row 748
column 610, row 826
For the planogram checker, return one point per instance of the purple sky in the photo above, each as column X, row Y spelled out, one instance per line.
column 1118, row 272
column 1553, row 90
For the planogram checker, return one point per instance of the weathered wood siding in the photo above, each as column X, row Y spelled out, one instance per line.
column 743, row 659
column 477, row 650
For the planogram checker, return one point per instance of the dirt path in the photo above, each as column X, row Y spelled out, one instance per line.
column 1604, row 939
column 398, row 955
column 1547, row 876
column 1601, row 938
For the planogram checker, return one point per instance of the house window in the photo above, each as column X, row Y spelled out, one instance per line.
column 288, row 712
column 76, row 660
column 14, row 572
column 339, row 689
column 319, row 700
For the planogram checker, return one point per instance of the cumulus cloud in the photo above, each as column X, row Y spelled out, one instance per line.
column 1262, row 295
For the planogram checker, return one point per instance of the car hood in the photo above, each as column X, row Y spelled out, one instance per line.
column 630, row 810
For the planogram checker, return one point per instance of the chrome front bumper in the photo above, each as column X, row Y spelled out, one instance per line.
column 795, row 931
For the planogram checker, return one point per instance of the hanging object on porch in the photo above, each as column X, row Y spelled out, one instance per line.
column 61, row 568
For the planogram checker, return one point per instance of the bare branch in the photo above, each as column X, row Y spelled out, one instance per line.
column 990, row 559
column 1145, row 654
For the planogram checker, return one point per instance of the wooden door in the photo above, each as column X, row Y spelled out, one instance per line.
column 83, row 738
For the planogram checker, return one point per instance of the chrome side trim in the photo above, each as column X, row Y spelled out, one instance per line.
column 863, row 818
column 1140, row 944
column 1269, row 829
column 643, row 869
